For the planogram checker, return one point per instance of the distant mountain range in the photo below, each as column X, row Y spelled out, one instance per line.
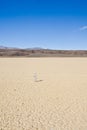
column 3, row 47
column 39, row 52
column 34, row 48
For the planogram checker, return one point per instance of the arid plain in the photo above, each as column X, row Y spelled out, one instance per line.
column 57, row 101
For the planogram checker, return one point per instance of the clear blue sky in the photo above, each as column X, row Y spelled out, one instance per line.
column 55, row 24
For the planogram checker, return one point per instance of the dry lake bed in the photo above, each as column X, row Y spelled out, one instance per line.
column 43, row 93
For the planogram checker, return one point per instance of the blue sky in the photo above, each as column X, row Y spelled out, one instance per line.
column 50, row 24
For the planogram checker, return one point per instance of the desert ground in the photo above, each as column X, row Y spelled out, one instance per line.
column 56, row 101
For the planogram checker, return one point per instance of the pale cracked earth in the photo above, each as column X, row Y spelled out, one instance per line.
column 57, row 101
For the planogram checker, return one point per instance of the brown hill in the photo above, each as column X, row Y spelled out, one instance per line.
column 42, row 53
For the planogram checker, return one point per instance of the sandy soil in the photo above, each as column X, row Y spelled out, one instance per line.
column 57, row 101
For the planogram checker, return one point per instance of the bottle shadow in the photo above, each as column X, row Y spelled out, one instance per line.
column 39, row 80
